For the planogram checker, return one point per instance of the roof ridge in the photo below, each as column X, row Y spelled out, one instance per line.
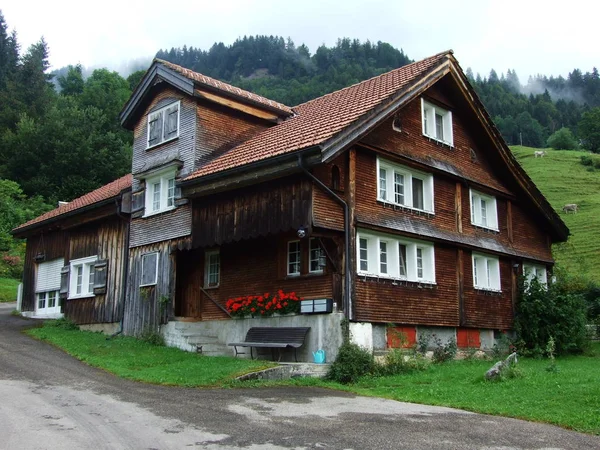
column 226, row 87
column 437, row 55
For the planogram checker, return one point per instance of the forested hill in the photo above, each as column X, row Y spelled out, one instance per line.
column 278, row 69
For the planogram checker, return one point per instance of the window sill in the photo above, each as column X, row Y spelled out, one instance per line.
column 488, row 291
column 484, row 228
column 450, row 145
column 208, row 288
column 406, row 208
column 396, row 280
column 75, row 297
column 152, row 147
column 156, row 213
column 304, row 275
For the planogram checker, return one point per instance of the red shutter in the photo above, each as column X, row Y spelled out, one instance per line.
column 404, row 337
column 467, row 338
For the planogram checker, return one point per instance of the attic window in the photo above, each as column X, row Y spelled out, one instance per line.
column 163, row 124
column 437, row 123
column 335, row 178
column 397, row 123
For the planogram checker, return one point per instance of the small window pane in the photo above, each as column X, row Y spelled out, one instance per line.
column 156, row 196
column 402, row 260
column 294, row 258
column 364, row 263
column 417, row 193
column 315, row 256
column 419, row 263
column 483, row 212
column 426, row 121
column 41, row 300
column 399, row 188
column 149, row 261
column 91, row 279
column 170, row 191
column 52, row 299
column 382, row 184
column 439, row 127
column 79, row 279
column 383, row 257
column 213, row 269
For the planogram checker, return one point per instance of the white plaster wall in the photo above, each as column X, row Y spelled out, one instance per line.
column 361, row 333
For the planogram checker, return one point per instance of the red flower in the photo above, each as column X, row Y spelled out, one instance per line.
column 253, row 309
column 285, row 303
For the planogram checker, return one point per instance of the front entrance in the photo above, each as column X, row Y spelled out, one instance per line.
column 188, row 297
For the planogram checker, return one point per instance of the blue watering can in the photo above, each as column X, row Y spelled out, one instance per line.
column 319, row 356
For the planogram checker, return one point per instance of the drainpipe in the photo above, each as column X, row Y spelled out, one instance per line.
column 125, row 270
column 337, row 198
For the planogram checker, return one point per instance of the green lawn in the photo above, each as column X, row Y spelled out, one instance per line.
column 8, row 290
column 130, row 358
column 569, row 397
column 563, row 179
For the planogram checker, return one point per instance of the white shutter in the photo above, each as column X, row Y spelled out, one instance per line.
column 48, row 275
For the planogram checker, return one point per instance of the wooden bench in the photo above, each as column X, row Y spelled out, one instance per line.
column 274, row 338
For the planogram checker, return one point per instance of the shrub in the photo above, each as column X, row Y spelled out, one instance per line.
column 351, row 363
column 562, row 139
column 423, row 340
column 443, row 352
column 397, row 362
column 152, row 337
column 587, row 160
column 63, row 323
column 557, row 311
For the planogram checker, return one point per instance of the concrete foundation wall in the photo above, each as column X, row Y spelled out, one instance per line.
column 325, row 334
column 106, row 328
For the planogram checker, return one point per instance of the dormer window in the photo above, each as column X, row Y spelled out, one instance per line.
column 437, row 123
column 160, row 192
column 163, row 124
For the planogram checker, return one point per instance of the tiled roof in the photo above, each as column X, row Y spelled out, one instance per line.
column 320, row 119
column 105, row 192
column 227, row 88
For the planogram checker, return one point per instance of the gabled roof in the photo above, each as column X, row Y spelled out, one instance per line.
column 187, row 80
column 91, row 199
column 321, row 119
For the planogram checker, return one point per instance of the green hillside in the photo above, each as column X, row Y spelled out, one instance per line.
column 563, row 179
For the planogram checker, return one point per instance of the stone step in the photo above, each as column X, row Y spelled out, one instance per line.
column 201, row 339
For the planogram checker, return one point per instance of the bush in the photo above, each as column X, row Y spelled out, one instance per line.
column 63, row 323
column 587, row 160
column 562, row 139
column 351, row 363
column 397, row 362
column 443, row 352
column 557, row 311
column 152, row 337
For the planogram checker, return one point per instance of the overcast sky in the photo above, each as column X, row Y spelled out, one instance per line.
column 546, row 37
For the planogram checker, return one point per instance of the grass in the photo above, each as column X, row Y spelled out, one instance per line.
column 8, row 290
column 568, row 397
column 563, row 179
column 137, row 360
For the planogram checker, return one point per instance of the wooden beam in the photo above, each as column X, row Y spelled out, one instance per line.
column 256, row 112
column 460, row 278
column 458, row 207
column 509, row 221
column 351, row 200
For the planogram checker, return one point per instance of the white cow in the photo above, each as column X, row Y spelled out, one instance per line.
column 571, row 207
column 540, row 153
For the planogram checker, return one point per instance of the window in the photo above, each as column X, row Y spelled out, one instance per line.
column 395, row 257
column 316, row 257
column 212, row 268
column 531, row 271
column 163, row 124
column 437, row 123
column 406, row 187
column 81, row 279
column 47, row 286
column 160, row 192
column 483, row 210
column 149, row 269
column 486, row 272
column 293, row 258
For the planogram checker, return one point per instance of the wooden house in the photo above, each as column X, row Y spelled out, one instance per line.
column 396, row 198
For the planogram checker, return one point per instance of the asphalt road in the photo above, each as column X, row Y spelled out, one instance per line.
column 49, row 400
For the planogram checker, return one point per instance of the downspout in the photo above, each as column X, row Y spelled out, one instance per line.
column 125, row 270
column 347, row 296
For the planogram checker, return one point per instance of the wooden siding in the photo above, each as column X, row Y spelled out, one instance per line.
column 269, row 208
column 53, row 245
column 219, row 129
column 410, row 143
column 249, row 267
column 107, row 240
column 327, row 212
column 144, row 310
column 160, row 227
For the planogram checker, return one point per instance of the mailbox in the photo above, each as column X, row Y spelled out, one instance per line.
column 316, row 306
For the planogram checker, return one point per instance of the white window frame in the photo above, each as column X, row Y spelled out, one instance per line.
column 315, row 253
column 143, row 258
column 209, row 267
column 373, row 252
column 297, row 262
column 86, row 265
column 429, row 111
column 386, row 185
column 488, row 220
column 165, row 181
column 532, row 270
column 486, row 272
column 162, row 110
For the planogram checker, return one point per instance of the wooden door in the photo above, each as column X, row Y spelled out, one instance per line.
column 188, row 296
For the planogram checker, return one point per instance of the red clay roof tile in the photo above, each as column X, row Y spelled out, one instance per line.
column 224, row 87
column 105, row 192
column 320, row 119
